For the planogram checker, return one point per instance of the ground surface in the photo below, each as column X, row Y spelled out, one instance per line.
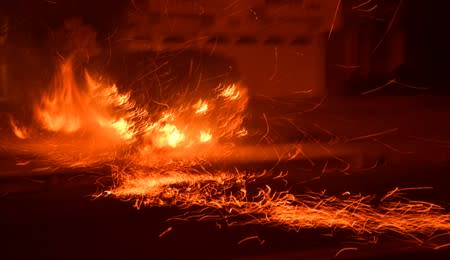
column 54, row 215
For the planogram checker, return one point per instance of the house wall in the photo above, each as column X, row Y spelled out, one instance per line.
column 278, row 46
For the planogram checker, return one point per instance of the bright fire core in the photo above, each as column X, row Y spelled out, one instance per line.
column 159, row 158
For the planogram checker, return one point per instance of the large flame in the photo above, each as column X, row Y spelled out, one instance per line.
column 99, row 108
column 88, row 119
column 70, row 106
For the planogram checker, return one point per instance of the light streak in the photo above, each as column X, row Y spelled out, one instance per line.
column 251, row 238
column 389, row 27
column 334, row 19
column 227, row 197
column 361, row 4
column 344, row 250
column 165, row 232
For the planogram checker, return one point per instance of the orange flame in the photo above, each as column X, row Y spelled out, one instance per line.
column 68, row 108
column 62, row 110
column 91, row 107
column 19, row 132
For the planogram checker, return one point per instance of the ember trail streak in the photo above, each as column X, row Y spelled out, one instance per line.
column 413, row 219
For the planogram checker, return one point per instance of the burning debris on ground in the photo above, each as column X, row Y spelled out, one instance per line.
column 144, row 134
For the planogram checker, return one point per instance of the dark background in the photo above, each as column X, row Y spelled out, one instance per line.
column 424, row 24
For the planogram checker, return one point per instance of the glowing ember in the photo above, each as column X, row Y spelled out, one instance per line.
column 242, row 132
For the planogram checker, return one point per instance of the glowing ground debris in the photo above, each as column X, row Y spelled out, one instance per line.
column 412, row 219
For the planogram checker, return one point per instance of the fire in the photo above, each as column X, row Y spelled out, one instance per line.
column 171, row 136
column 205, row 136
column 201, row 107
column 92, row 109
column 123, row 128
column 20, row 132
column 92, row 121
column 230, row 92
column 70, row 107
column 62, row 109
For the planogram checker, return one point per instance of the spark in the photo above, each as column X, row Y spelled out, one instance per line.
column 316, row 106
column 275, row 70
column 361, row 4
column 442, row 246
column 165, row 232
column 213, row 49
column 412, row 219
column 390, row 147
column 241, row 133
column 334, row 18
column 23, row 163
column 388, row 29
column 391, row 82
column 344, row 250
column 267, row 128
column 369, row 10
column 378, row 134
column 251, row 238
column 231, row 5
column 324, row 168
